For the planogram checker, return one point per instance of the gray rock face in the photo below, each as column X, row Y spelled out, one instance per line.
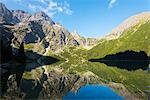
column 58, row 37
column 21, row 15
column 41, row 16
column 36, row 32
column 5, row 14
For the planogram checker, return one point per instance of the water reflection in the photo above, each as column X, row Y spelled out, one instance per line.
column 129, row 65
column 19, row 64
column 129, row 60
column 53, row 83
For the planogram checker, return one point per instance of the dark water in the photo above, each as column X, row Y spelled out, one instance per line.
column 93, row 92
column 129, row 60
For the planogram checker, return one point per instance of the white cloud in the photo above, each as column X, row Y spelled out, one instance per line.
column 32, row 7
column 3, row 0
column 51, row 8
column 66, row 8
column 54, row 6
column 44, row 1
column 111, row 3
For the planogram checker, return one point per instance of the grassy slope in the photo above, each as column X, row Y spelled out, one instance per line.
column 136, row 38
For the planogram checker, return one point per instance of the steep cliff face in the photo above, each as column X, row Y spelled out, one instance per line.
column 5, row 15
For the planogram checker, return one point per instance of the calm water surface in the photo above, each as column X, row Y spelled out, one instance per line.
column 93, row 92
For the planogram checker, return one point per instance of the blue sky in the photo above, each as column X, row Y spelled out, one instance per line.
column 91, row 18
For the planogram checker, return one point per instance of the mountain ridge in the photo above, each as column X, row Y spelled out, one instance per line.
column 41, row 29
column 127, row 24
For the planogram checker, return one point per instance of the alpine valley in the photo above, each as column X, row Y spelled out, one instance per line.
column 41, row 59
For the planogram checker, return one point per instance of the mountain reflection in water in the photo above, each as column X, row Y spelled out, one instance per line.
column 129, row 60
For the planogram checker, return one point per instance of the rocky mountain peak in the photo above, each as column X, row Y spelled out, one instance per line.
column 19, row 11
column 5, row 14
column 21, row 15
column 40, row 16
column 3, row 8
column 75, row 34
